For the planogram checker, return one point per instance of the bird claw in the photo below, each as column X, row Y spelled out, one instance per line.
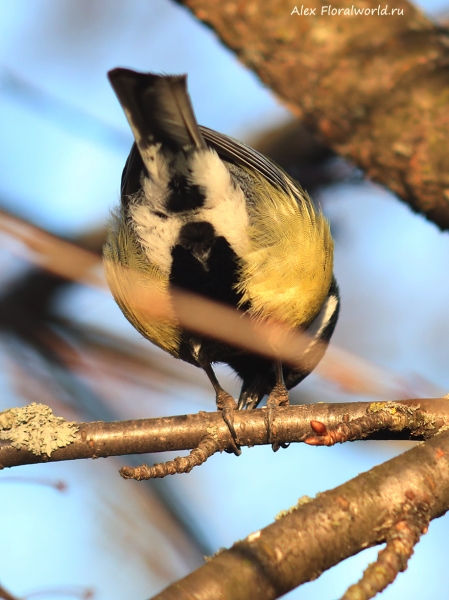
column 278, row 397
column 227, row 405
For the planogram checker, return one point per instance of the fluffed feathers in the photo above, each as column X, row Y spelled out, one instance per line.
column 209, row 214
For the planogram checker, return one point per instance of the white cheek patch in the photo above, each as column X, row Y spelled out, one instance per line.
column 157, row 235
column 225, row 206
column 322, row 319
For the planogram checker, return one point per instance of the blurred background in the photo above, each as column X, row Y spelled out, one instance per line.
column 64, row 142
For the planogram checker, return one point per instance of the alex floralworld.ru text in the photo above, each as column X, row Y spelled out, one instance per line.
column 329, row 10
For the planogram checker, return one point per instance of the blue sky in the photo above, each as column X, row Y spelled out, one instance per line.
column 64, row 142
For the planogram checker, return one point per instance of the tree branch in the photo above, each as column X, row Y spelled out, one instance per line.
column 377, row 506
column 424, row 418
column 374, row 87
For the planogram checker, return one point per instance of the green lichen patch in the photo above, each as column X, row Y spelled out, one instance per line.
column 35, row 428
column 414, row 418
column 283, row 513
column 392, row 407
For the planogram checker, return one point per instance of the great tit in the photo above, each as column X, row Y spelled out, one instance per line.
column 204, row 212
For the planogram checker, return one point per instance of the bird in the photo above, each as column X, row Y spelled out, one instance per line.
column 208, row 214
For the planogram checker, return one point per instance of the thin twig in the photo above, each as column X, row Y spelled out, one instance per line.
column 392, row 560
column 380, row 416
column 181, row 464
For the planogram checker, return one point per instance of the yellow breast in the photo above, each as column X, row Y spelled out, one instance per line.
column 128, row 269
column 287, row 271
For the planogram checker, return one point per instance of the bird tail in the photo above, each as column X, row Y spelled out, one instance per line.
column 158, row 109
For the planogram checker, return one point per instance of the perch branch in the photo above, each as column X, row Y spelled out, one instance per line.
column 422, row 419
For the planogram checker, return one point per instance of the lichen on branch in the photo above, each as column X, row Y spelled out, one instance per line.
column 35, row 428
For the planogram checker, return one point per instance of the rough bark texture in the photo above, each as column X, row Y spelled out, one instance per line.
column 322, row 532
column 426, row 417
column 376, row 87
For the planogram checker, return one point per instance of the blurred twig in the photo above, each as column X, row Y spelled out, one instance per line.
column 50, row 252
column 5, row 595
column 57, row 485
column 59, row 112
column 44, row 347
column 70, row 262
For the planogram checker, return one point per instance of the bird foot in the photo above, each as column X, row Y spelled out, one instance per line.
column 228, row 406
column 278, row 397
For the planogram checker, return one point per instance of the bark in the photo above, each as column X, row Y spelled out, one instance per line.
column 375, row 87
column 318, row 534
column 426, row 417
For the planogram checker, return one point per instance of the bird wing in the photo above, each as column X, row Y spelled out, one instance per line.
column 233, row 150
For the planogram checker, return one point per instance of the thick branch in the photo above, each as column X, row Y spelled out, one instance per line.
column 322, row 532
column 98, row 439
column 374, row 86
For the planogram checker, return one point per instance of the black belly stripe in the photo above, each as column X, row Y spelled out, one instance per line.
column 205, row 263
column 184, row 195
